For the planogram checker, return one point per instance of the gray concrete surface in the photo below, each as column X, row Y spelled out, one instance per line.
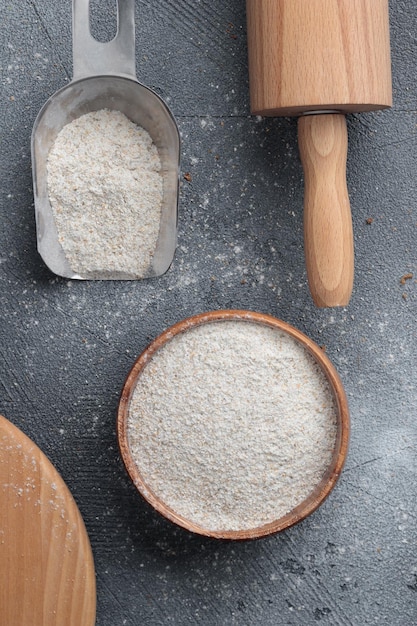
column 67, row 346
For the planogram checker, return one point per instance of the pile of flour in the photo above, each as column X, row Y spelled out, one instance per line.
column 232, row 424
column 105, row 190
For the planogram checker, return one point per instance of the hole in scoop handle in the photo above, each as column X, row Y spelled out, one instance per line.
column 94, row 58
column 328, row 235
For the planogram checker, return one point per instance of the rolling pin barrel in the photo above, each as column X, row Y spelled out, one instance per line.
column 327, row 58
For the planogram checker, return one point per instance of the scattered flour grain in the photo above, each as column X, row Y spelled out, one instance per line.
column 105, row 190
column 232, row 424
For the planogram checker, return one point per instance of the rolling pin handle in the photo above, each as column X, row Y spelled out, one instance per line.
column 328, row 234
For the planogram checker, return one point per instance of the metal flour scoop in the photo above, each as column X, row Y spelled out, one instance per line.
column 104, row 77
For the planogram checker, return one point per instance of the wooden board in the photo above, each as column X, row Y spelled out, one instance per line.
column 46, row 565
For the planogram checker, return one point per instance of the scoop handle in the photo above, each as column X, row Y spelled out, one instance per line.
column 328, row 235
column 94, row 58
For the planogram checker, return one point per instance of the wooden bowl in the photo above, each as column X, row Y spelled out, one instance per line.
column 318, row 494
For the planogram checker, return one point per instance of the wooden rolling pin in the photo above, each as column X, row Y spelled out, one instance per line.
column 321, row 59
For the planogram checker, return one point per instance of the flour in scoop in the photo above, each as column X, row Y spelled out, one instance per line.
column 105, row 190
column 232, row 424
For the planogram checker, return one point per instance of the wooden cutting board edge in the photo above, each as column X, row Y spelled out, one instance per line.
column 47, row 575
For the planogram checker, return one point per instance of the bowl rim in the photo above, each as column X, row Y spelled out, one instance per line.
column 319, row 493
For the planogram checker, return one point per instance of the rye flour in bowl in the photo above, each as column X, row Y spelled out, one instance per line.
column 233, row 424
